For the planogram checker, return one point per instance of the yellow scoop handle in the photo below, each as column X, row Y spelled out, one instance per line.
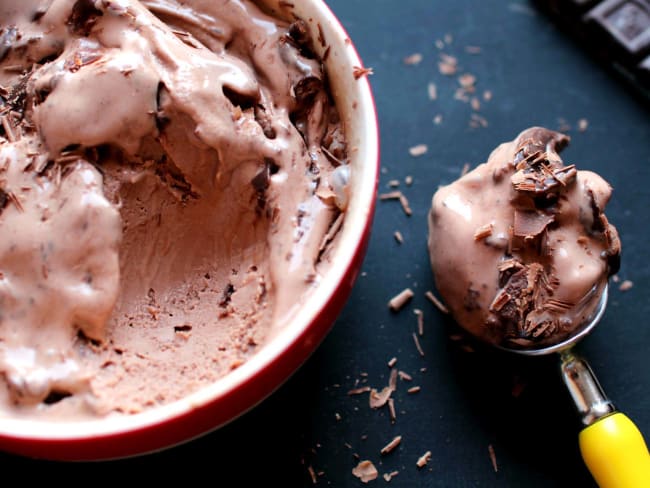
column 616, row 454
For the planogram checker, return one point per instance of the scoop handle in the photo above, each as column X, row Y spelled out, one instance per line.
column 612, row 447
column 616, row 454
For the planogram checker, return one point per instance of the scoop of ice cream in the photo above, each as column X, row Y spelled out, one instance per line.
column 520, row 247
column 168, row 180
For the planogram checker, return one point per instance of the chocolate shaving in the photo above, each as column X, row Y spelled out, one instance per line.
column 436, row 302
column 391, row 445
column 379, row 399
column 483, row 232
column 423, row 460
column 359, row 72
column 530, row 223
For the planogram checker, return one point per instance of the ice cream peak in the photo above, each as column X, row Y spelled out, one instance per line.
column 169, row 172
column 520, row 247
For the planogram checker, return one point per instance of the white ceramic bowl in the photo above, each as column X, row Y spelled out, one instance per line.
column 243, row 388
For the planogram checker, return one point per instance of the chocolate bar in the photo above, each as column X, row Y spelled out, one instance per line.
column 617, row 32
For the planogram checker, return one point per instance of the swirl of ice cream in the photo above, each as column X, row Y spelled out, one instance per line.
column 520, row 246
column 166, row 199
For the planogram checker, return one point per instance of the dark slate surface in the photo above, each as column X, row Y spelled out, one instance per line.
column 537, row 76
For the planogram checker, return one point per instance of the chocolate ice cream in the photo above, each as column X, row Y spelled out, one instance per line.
column 520, row 247
column 170, row 177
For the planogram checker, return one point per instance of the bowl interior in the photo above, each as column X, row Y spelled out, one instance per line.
column 356, row 107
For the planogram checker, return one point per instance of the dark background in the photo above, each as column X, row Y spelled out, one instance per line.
column 468, row 400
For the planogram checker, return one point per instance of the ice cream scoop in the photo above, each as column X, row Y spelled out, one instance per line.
column 520, row 246
column 521, row 252
column 612, row 447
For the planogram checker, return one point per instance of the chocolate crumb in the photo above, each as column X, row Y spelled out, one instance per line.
column 399, row 300
column 448, row 65
column 413, row 59
column 418, row 150
column 487, row 95
column 398, row 237
column 437, row 119
column 583, row 124
column 626, row 285
column 408, row 180
column 432, row 91
column 391, row 445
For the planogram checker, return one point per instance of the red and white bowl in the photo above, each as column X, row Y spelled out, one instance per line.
column 242, row 389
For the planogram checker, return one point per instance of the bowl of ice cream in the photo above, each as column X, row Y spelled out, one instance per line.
column 187, row 192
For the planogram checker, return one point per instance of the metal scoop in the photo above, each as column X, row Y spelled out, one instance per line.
column 612, row 447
